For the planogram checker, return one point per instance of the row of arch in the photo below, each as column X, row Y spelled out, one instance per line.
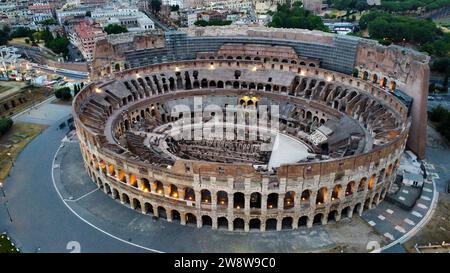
column 239, row 223
column 260, row 59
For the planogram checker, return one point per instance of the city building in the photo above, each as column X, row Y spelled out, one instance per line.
column 40, row 12
column 131, row 18
column 84, row 36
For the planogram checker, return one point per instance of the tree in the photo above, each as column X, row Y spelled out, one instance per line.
column 296, row 17
column 4, row 35
column 5, row 125
column 88, row 13
column 63, row 94
column 21, row 32
column 156, row 5
column 115, row 29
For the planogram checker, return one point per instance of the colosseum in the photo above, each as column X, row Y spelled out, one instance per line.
column 330, row 151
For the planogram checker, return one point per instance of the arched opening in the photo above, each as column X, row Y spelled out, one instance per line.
column 286, row 223
column 222, row 198
column 238, row 224
column 332, row 215
column 383, row 82
column 303, row 221
column 255, row 224
column 239, row 200
column 189, row 194
column 321, row 196
column 272, row 201
column 255, row 200
column 148, row 208
column 392, row 85
column 137, row 204
column 336, row 194
column 205, row 196
column 176, row 217
column 206, row 221
column 162, row 212
column 367, row 204
column 365, row 76
column 346, row 212
column 125, row 199
column 159, row 188
column 271, row 224
column 108, row 189
column 357, row 208
column 305, row 197
column 318, row 219
column 111, row 170
column 190, row 219
column 350, row 189
column 145, row 185
column 115, row 194
column 289, row 200
column 362, row 184
column 222, row 223
column 375, row 200
column 374, row 78
column 371, row 182
column 173, row 191
column 133, row 181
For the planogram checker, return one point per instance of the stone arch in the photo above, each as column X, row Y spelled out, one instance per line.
column 222, row 223
column 239, row 200
column 159, row 188
column 176, row 216
column 345, row 212
column 125, row 198
column 255, row 224
column 289, row 200
column 272, row 200
column 337, row 192
column 190, row 219
column 306, row 194
column 238, row 224
column 173, row 191
column 162, row 212
column 362, row 184
column 322, row 194
column 350, row 189
column 371, row 184
column 136, row 204
column 271, row 224
column 357, row 208
column 365, row 75
column 148, row 208
column 206, row 221
column 303, row 221
column 255, row 200
column 332, row 215
column 318, row 219
column 287, row 222
column 205, row 196
column 189, row 194
column 222, row 198
column 145, row 185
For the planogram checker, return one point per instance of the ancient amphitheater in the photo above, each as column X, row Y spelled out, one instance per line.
column 329, row 151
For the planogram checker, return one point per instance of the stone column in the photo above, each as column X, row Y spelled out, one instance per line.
column 198, row 199
column 214, row 223
column 181, row 193
column 312, row 199
column 213, row 200
column 263, row 204
column 230, row 204
column 166, row 190
column 246, row 226
column 247, row 204
column 183, row 219
column 280, row 204
column 279, row 223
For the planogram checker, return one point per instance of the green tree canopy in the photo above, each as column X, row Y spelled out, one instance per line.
column 115, row 29
column 296, row 17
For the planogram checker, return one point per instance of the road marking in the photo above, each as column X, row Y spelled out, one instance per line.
column 426, row 198
column 83, row 196
column 89, row 223
column 405, row 191
column 409, row 222
column 422, row 206
column 381, row 217
column 399, row 228
column 415, row 213
column 402, row 198
column 372, row 223
column 389, row 211
column 388, row 235
column 427, row 190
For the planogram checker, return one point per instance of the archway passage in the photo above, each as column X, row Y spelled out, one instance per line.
column 206, row 221
column 318, row 219
column 176, row 217
column 239, row 200
column 287, row 223
column 222, row 223
column 191, row 219
column 162, row 213
column 238, row 224
column 303, row 221
column 255, row 224
column 332, row 216
column 271, row 224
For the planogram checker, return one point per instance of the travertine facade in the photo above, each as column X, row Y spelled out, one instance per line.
column 121, row 122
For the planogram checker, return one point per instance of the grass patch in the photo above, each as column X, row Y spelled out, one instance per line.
column 6, row 246
column 14, row 142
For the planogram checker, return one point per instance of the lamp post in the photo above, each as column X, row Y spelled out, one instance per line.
column 1, row 187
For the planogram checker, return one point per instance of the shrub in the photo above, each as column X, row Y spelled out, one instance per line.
column 5, row 125
column 63, row 94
